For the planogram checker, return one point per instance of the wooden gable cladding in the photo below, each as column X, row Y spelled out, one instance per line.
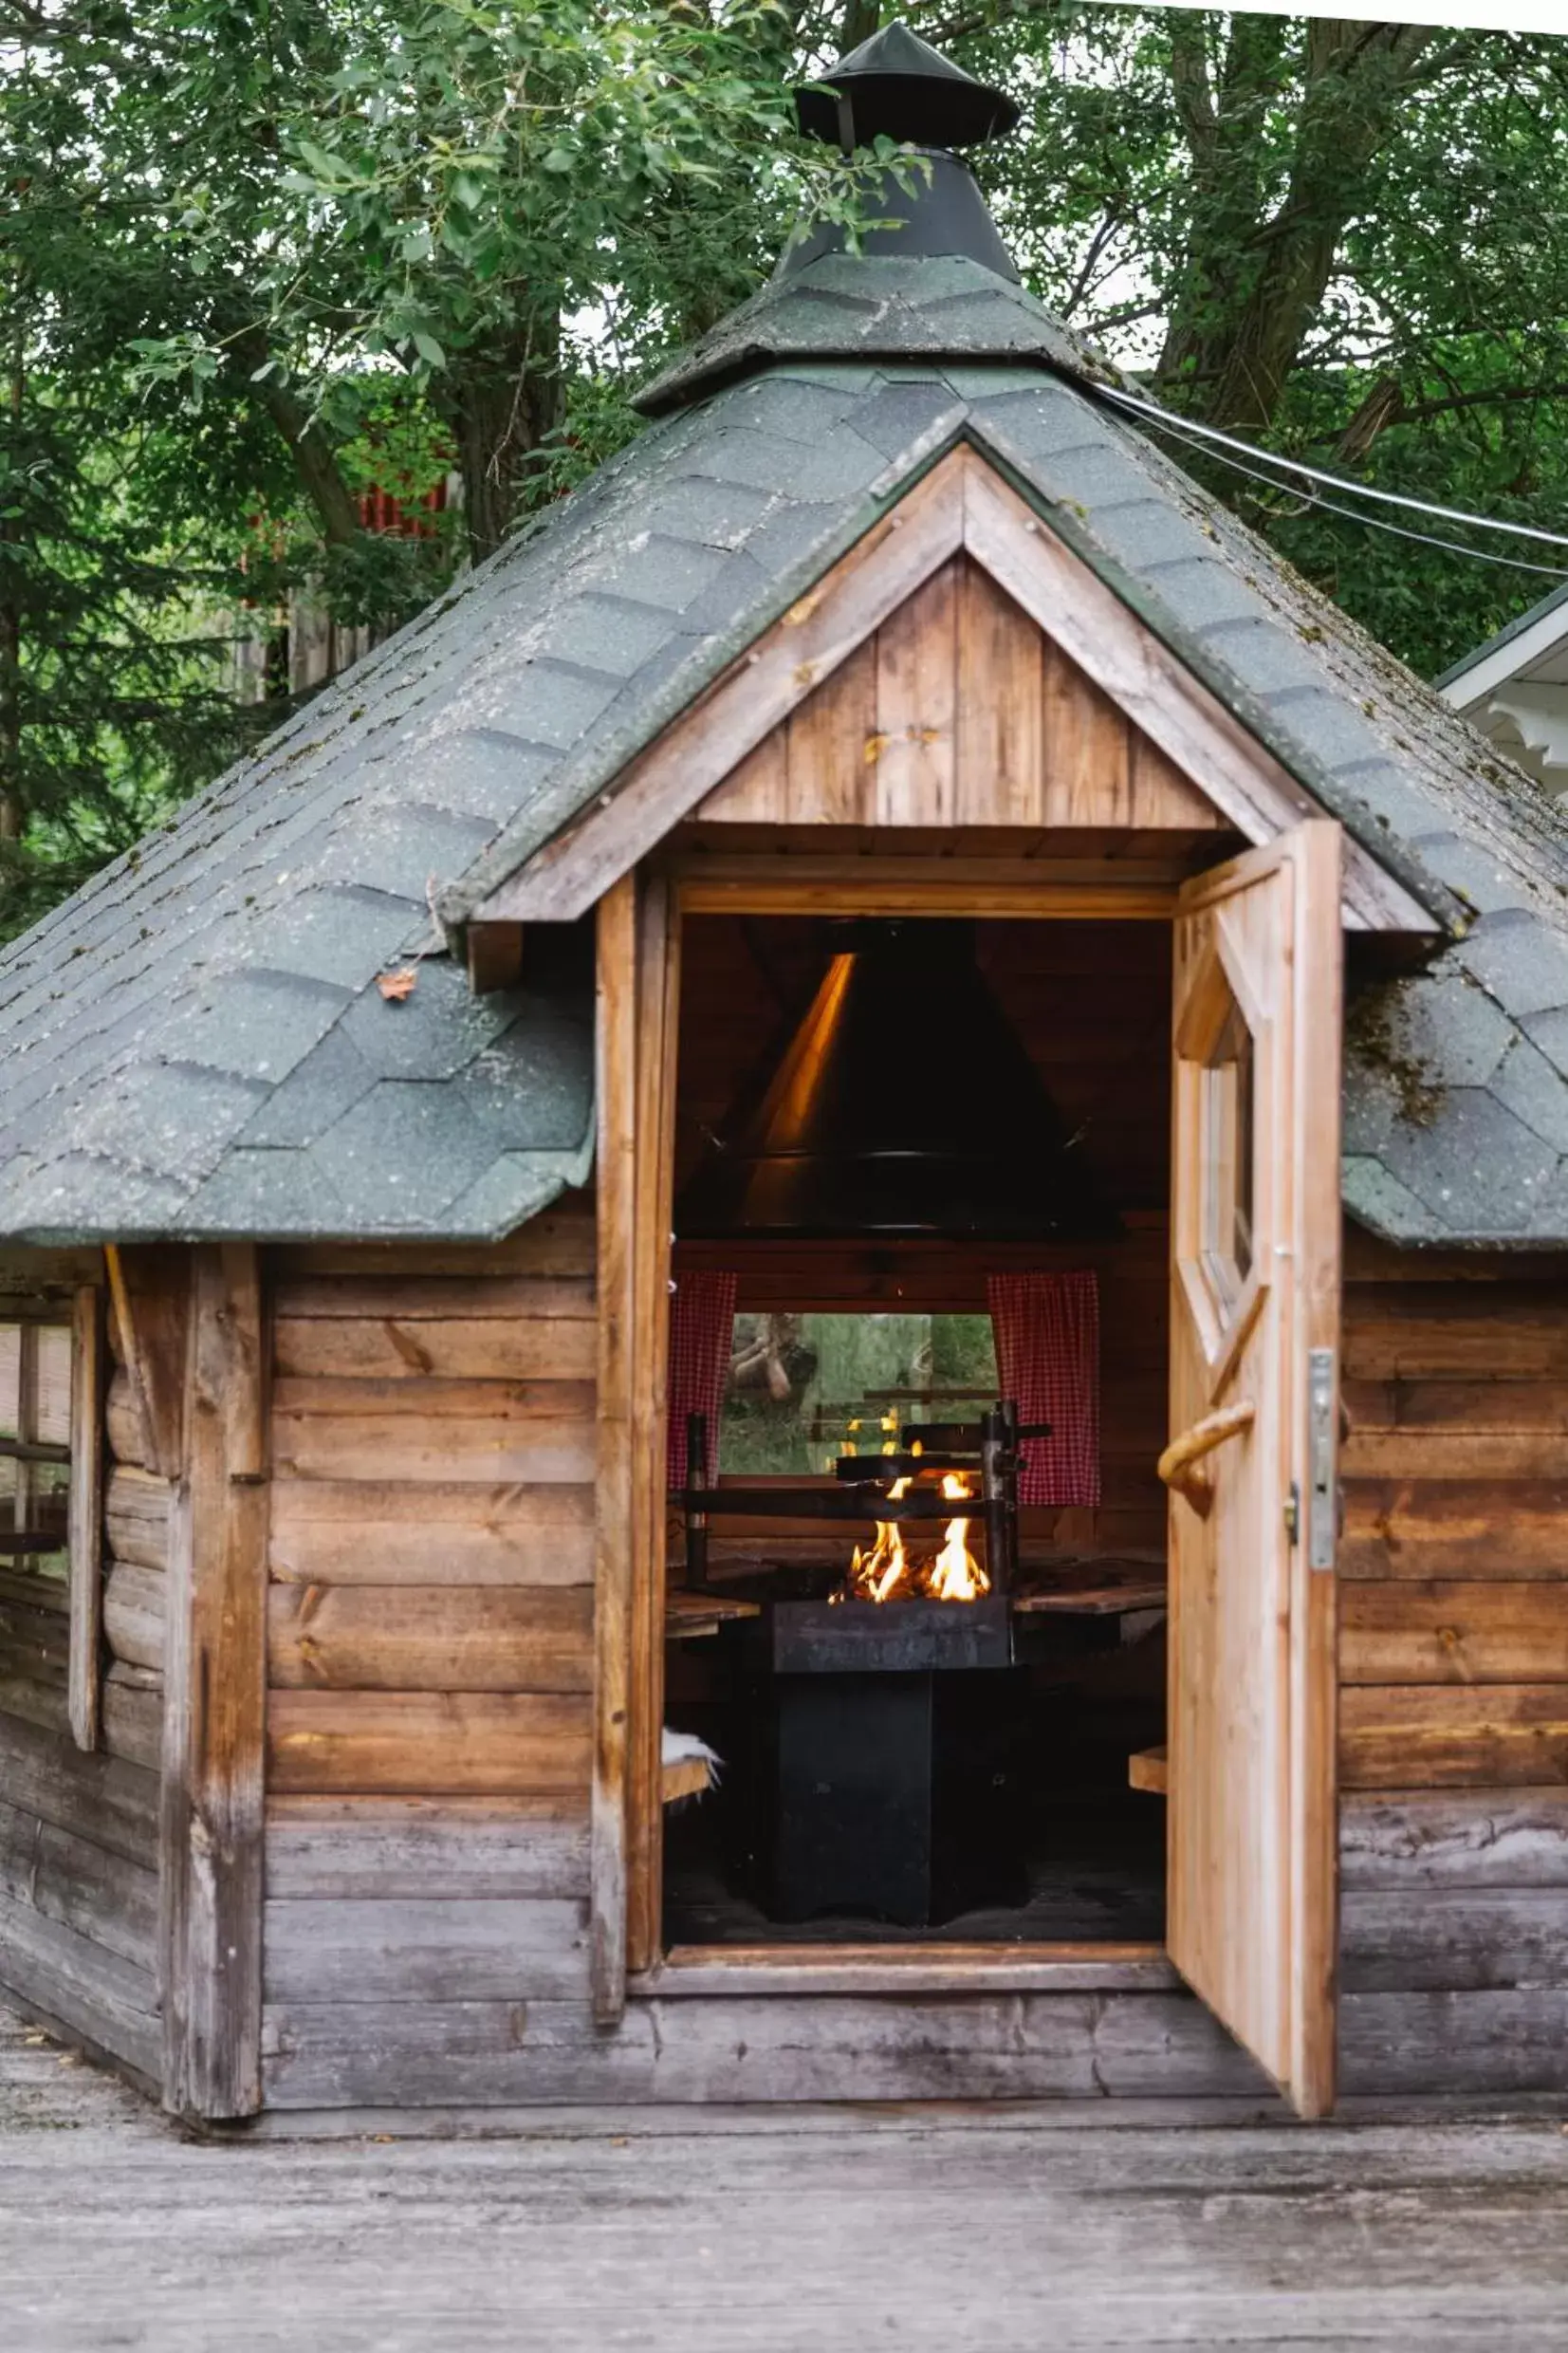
column 961, row 508
column 960, row 711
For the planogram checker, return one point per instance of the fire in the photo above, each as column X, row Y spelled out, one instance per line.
column 876, row 1575
column 887, row 1574
column 955, row 1575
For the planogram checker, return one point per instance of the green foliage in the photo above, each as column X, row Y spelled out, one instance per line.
column 1343, row 240
column 262, row 260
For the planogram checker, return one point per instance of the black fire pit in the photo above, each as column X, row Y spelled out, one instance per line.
column 887, row 1787
column 895, row 1638
column 875, row 1744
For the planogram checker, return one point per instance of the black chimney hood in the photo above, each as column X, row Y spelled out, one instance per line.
column 903, row 1107
column 898, row 86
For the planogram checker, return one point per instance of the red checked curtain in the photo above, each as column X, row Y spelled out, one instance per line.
column 702, row 1318
column 1047, row 1358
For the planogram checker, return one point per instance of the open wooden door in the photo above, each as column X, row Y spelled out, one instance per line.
column 1252, row 1832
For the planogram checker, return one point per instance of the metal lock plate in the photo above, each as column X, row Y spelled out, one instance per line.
column 1322, row 1432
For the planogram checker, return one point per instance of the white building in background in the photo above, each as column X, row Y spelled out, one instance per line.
column 1514, row 688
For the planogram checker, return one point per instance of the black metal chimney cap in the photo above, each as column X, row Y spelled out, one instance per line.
column 897, row 85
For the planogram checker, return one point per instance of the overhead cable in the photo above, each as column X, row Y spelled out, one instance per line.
column 1213, row 435
column 1313, row 500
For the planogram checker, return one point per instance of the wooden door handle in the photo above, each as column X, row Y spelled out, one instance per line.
column 1178, row 1465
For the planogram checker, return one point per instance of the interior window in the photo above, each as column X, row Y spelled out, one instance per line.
column 1227, row 1174
column 36, row 1451
column 803, row 1389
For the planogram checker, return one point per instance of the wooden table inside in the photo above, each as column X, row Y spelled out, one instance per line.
column 1095, row 1589
column 688, row 1615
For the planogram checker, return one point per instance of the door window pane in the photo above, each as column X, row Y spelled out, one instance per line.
column 1227, row 1156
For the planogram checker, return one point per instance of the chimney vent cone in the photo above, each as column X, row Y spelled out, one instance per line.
column 896, row 86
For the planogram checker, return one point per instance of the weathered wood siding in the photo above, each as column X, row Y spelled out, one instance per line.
column 430, row 1631
column 79, row 1830
column 1453, row 1664
column 1454, row 1562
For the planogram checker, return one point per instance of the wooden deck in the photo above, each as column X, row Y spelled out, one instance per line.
column 816, row 2231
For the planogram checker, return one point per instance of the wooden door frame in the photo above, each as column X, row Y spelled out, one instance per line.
column 639, row 953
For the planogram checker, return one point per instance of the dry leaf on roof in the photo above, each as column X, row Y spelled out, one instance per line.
column 395, row 987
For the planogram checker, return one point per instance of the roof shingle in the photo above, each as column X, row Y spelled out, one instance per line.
column 194, row 1044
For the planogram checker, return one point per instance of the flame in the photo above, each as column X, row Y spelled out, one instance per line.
column 955, row 1575
column 876, row 1575
column 886, row 1573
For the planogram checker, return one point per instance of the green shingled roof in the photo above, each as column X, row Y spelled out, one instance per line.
column 194, row 1044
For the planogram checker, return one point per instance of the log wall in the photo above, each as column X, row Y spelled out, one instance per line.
column 430, row 1632
column 1454, row 1560
column 1453, row 1664
column 424, row 1949
column 79, row 1830
column 429, row 1719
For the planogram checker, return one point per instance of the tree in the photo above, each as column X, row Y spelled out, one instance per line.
column 260, row 261
column 262, row 256
column 1338, row 238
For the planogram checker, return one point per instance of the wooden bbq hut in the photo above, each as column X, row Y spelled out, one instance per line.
column 350, row 1610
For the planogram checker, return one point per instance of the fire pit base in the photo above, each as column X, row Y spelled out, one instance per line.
column 896, row 1796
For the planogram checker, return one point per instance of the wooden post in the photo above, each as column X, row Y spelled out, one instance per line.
column 151, row 1298
column 86, row 1514
column 215, row 1713
column 658, row 1013
column 616, row 1044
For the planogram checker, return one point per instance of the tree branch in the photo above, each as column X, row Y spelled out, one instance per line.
column 315, row 462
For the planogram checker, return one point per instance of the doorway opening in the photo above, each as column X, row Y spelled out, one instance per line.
column 910, row 1753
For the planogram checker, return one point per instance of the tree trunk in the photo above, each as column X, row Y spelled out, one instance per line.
column 861, row 20
column 501, row 404
column 1255, row 278
column 13, row 797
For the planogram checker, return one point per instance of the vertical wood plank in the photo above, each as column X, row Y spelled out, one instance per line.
column 1251, row 1823
column 1160, row 795
column 1001, row 707
column 1088, row 749
column 246, row 1391
column 658, row 1015
column 86, row 1514
column 752, row 793
column 495, row 956
column 833, row 747
column 616, row 1048
column 917, row 706
column 215, row 1715
column 24, row 1475
column 151, row 1301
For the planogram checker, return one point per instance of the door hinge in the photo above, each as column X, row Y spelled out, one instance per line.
column 1322, row 1485
column 1293, row 1514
